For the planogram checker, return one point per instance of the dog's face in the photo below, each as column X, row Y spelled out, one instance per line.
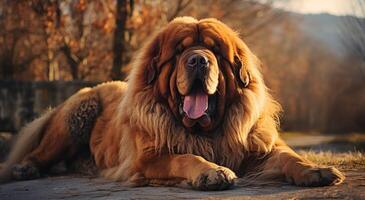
column 198, row 69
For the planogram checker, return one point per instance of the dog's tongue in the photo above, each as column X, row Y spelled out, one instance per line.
column 195, row 104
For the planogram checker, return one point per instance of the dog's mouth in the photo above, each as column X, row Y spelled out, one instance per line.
column 197, row 107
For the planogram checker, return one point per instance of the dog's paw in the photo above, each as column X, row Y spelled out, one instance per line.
column 220, row 178
column 318, row 176
column 24, row 172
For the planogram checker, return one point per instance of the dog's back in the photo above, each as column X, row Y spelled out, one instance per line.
column 60, row 132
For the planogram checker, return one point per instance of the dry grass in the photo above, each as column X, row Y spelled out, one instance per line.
column 348, row 160
column 294, row 134
column 352, row 159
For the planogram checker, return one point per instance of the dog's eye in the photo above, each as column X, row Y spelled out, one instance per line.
column 216, row 50
column 179, row 49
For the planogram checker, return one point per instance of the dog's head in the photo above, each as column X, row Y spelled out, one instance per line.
column 198, row 69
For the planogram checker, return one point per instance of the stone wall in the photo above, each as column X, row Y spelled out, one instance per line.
column 22, row 101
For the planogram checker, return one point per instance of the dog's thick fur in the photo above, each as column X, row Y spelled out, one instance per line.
column 135, row 134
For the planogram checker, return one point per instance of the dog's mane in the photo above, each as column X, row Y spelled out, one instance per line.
column 249, row 125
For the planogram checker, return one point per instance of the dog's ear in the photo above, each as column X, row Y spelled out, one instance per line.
column 241, row 71
column 151, row 71
column 152, row 57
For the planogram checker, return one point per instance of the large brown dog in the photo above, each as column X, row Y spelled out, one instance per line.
column 195, row 110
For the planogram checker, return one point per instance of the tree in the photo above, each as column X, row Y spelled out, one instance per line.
column 353, row 32
column 18, row 38
column 119, row 41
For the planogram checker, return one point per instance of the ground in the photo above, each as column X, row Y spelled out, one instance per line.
column 71, row 187
column 345, row 153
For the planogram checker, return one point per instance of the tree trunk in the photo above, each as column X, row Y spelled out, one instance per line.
column 72, row 62
column 119, row 39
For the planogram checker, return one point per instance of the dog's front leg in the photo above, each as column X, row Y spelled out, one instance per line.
column 300, row 171
column 197, row 171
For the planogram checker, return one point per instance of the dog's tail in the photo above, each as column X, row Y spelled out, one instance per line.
column 27, row 139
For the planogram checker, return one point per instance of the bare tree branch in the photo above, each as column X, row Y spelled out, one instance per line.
column 181, row 5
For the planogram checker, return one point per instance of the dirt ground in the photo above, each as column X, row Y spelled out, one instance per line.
column 81, row 187
column 71, row 187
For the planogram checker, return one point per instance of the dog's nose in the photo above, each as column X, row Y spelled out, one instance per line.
column 198, row 62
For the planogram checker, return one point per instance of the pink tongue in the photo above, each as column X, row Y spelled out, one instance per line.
column 195, row 105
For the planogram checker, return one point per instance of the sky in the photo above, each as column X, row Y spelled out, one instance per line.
column 335, row 7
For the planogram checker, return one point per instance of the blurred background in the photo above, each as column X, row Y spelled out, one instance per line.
column 313, row 53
